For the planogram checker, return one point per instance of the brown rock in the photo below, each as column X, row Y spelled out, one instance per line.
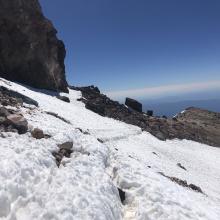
column 37, row 133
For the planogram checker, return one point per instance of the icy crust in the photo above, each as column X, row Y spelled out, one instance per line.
column 107, row 154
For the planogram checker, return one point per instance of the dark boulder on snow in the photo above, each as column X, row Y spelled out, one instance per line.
column 64, row 98
column 133, row 104
column 30, row 52
column 18, row 122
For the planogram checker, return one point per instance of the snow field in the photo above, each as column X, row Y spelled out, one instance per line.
column 85, row 185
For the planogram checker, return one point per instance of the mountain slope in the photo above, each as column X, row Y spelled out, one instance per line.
column 106, row 155
column 160, row 127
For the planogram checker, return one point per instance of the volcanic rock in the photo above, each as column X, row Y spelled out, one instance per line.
column 133, row 104
column 30, row 52
column 150, row 113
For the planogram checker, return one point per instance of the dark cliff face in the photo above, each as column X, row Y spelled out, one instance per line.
column 30, row 52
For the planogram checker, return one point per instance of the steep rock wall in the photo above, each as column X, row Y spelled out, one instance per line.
column 30, row 52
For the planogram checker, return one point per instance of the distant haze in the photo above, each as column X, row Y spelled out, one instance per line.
column 172, row 108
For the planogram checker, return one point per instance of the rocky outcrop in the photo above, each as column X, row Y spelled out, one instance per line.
column 194, row 124
column 10, row 121
column 204, row 123
column 30, row 52
column 13, row 98
column 133, row 104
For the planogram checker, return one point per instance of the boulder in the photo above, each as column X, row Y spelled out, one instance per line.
column 133, row 104
column 30, row 52
column 150, row 112
column 18, row 122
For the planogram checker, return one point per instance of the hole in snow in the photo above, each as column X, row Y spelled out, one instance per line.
column 121, row 195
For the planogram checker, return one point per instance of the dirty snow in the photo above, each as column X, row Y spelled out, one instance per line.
column 85, row 185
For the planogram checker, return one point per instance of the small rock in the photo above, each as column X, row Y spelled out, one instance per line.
column 100, row 140
column 67, row 145
column 181, row 166
column 64, row 98
column 37, row 133
column 47, row 136
column 195, row 188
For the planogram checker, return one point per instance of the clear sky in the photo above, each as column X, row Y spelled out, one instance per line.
column 134, row 45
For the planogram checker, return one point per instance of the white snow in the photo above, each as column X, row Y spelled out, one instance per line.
column 85, row 185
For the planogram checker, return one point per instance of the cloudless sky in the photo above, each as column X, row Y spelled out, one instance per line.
column 130, row 44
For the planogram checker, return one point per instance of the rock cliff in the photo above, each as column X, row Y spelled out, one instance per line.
column 30, row 52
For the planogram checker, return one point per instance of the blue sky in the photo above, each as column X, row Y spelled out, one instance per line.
column 139, row 44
